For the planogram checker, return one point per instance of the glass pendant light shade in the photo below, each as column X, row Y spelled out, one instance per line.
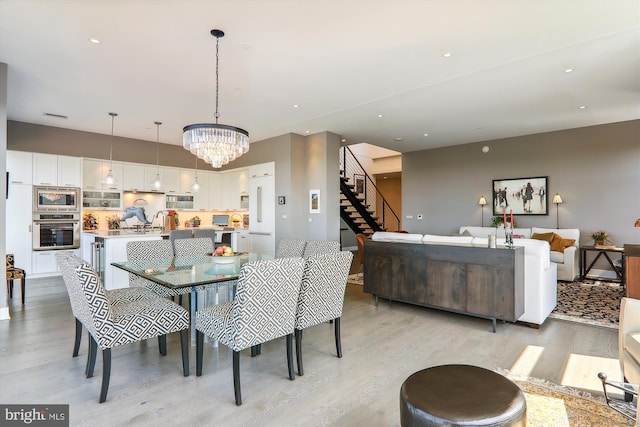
column 110, row 178
column 215, row 143
column 157, row 184
column 195, row 187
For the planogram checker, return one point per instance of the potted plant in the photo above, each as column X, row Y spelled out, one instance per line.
column 497, row 220
column 600, row 237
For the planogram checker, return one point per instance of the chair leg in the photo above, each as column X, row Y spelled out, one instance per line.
column 292, row 375
column 106, row 373
column 199, row 345
column 298, row 333
column 22, row 286
column 162, row 344
column 180, row 300
column 184, row 344
column 337, row 332
column 76, row 344
column 236, row 377
column 91, row 360
column 254, row 350
column 10, row 287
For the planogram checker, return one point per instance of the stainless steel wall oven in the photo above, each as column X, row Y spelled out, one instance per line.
column 56, row 199
column 56, row 231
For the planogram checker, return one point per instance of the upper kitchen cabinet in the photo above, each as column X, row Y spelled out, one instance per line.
column 94, row 171
column 63, row 171
column 263, row 169
column 150, row 173
column 19, row 166
column 133, row 179
column 171, row 180
column 235, row 184
column 201, row 198
column 216, row 185
column 187, row 177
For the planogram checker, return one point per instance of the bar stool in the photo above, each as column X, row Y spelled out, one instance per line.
column 14, row 273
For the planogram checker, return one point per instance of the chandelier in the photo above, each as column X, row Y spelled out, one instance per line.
column 215, row 143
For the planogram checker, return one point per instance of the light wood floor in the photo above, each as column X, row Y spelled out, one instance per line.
column 382, row 346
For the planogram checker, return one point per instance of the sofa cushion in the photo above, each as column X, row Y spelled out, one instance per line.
column 385, row 236
column 557, row 257
column 447, row 240
column 559, row 244
column 632, row 344
column 547, row 237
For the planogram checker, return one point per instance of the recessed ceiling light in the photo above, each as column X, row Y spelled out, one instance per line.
column 398, row 139
column 447, row 54
column 296, row 106
column 307, row 131
column 568, row 70
column 94, row 41
column 583, row 107
column 426, row 134
column 343, row 140
column 380, row 116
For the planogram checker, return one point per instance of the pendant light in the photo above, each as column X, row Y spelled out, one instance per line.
column 195, row 187
column 215, row 143
column 110, row 179
column 157, row 184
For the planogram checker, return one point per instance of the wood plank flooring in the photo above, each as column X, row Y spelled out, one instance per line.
column 382, row 346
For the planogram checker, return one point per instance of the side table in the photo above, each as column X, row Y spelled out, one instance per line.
column 601, row 251
column 631, row 263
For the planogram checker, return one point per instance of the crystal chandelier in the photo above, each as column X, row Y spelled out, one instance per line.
column 214, row 143
column 110, row 179
column 157, row 184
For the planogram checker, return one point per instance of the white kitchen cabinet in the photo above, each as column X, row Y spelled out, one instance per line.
column 44, row 262
column 150, row 173
column 244, row 241
column 171, row 180
column 234, row 184
column 263, row 244
column 262, row 169
column 20, row 167
column 19, row 236
column 133, row 177
column 94, row 171
column 187, row 177
column 201, row 198
column 216, row 186
column 69, row 171
column 45, row 169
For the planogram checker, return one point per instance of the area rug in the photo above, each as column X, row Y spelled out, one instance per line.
column 550, row 404
column 591, row 302
column 355, row 279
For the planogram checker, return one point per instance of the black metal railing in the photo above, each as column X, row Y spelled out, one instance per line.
column 365, row 189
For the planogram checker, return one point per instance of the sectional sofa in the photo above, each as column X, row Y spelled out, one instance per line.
column 540, row 274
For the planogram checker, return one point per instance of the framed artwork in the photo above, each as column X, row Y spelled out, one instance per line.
column 359, row 183
column 522, row 196
column 314, row 201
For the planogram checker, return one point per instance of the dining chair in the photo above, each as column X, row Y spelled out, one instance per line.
column 264, row 309
column 14, row 273
column 179, row 234
column 322, row 296
column 193, row 247
column 317, row 247
column 67, row 263
column 289, row 247
column 209, row 233
column 141, row 250
column 113, row 326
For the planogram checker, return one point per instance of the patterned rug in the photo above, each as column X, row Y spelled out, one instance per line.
column 591, row 302
column 355, row 279
column 550, row 404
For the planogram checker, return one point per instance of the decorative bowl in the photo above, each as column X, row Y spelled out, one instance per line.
column 225, row 259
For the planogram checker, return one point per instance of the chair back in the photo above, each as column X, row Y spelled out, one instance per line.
column 179, row 234
column 148, row 249
column 97, row 303
column 289, row 248
column 208, row 233
column 67, row 264
column 264, row 307
column 318, row 247
column 323, row 285
column 193, row 247
column 10, row 262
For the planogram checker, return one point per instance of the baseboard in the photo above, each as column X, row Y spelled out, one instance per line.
column 4, row 313
column 607, row 274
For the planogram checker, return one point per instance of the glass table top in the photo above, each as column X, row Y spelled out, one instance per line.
column 180, row 272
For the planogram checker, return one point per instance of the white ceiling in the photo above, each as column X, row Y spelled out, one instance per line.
column 343, row 62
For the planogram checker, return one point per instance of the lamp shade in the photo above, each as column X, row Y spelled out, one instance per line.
column 557, row 199
column 482, row 201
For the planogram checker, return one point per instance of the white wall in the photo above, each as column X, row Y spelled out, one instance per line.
column 4, row 307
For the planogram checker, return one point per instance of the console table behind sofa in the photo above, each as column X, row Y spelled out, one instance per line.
column 482, row 282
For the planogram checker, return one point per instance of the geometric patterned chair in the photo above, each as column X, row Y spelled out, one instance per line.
column 263, row 309
column 322, row 296
column 67, row 264
column 152, row 249
column 317, row 247
column 14, row 273
column 289, row 248
column 192, row 247
column 113, row 326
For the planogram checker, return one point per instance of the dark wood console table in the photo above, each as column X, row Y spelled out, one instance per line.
column 481, row 282
column 601, row 251
column 631, row 265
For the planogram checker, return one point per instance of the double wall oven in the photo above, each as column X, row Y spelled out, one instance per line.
column 56, row 218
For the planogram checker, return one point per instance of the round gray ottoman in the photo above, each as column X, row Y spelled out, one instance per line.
column 461, row 395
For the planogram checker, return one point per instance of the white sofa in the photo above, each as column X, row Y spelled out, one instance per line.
column 540, row 281
column 568, row 262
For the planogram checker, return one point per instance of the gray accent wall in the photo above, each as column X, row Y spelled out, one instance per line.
column 595, row 169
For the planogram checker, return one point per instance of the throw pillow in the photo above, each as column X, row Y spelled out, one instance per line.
column 558, row 244
column 547, row 237
column 466, row 233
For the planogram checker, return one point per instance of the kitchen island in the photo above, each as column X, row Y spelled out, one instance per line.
column 102, row 247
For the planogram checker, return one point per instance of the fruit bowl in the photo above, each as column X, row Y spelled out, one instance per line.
column 225, row 259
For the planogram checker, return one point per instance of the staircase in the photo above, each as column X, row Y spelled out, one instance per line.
column 362, row 207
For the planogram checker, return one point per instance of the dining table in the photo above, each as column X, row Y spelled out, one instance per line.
column 199, row 273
